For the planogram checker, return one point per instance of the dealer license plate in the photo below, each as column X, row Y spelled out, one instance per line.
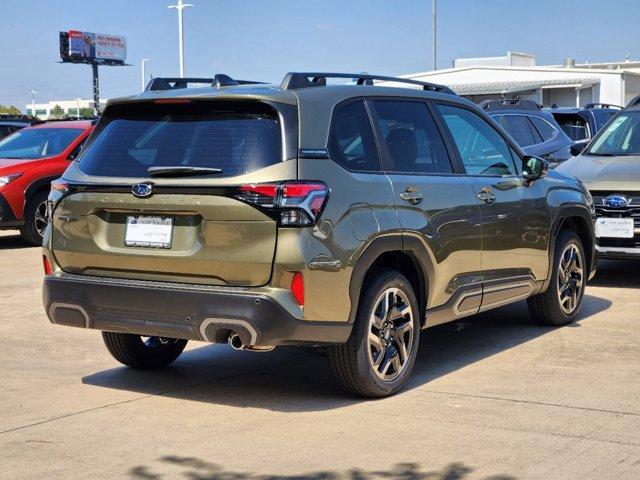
column 614, row 227
column 151, row 232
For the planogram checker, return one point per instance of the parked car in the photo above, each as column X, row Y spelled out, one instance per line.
column 350, row 216
column 531, row 127
column 581, row 124
column 610, row 168
column 12, row 123
column 29, row 160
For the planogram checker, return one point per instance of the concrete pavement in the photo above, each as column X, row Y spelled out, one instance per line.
column 494, row 398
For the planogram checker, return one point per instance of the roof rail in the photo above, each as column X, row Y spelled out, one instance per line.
column 509, row 104
column 219, row 80
column 634, row 102
column 593, row 106
column 298, row 80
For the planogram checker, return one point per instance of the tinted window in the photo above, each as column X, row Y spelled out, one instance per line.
column 37, row 142
column 235, row 139
column 573, row 125
column 482, row 150
column 520, row 129
column 545, row 130
column 352, row 143
column 4, row 131
column 412, row 138
column 620, row 137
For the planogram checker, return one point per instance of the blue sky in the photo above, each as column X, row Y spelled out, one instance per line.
column 264, row 39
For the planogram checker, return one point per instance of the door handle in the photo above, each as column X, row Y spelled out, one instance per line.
column 411, row 195
column 487, row 196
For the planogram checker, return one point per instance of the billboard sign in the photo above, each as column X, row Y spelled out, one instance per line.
column 92, row 47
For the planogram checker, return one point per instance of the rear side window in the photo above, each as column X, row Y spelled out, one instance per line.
column 520, row 129
column 412, row 138
column 352, row 143
column 545, row 130
column 235, row 138
column 573, row 125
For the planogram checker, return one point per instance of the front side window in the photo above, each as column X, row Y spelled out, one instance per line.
column 33, row 143
column 352, row 143
column 412, row 138
column 482, row 149
column 545, row 130
column 620, row 137
column 520, row 129
column 233, row 139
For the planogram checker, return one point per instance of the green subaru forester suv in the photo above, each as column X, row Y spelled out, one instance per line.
column 345, row 215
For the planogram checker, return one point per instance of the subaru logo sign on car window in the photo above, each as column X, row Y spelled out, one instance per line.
column 142, row 189
column 616, row 201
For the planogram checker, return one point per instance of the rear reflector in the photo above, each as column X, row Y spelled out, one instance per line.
column 47, row 266
column 297, row 288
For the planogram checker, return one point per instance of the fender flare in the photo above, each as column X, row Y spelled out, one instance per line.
column 564, row 212
column 390, row 243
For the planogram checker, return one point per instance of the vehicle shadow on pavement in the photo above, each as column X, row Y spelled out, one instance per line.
column 617, row 274
column 292, row 380
column 195, row 468
column 8, row 242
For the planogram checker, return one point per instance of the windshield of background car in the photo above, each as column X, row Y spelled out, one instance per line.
column 29, row 144
column 620, row 137
column 237, row 138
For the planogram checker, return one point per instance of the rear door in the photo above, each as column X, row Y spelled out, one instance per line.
column 435, row 205
column 137, row 209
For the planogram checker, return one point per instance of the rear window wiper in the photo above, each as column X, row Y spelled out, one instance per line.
column 181, row 171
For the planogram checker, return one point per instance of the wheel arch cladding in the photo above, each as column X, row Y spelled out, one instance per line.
column 388, row 252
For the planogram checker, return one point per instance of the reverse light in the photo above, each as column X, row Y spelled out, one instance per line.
column 297, row 288
column 6, row 179
column 47, row 265
column 293, row 203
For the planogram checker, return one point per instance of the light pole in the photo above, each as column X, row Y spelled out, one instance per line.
column 33, row 101
column 433, row 33
column 181, row 6
column 142, row 71
column 78, row 108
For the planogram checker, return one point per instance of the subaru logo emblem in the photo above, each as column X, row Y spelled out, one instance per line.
column 142, row 190
column 616, row 201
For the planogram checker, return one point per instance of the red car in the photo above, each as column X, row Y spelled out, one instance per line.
column 29, row 160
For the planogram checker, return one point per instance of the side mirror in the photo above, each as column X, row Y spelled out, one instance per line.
column 534, row 168
column 577, row 148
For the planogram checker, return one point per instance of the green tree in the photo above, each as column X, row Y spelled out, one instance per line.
column 11, row 110
column 57, row 112
column 86, row 112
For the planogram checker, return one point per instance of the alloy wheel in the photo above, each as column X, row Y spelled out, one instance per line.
column 570, row 278
column 40, row 218
column 390, row 334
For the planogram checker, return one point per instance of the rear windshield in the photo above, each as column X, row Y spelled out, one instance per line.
column 233, row 137
column 32, row 143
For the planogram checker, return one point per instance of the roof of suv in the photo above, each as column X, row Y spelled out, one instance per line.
column 79, row 124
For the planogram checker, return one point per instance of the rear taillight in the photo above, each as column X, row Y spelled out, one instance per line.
column 47, row 265
column 297, row 288
column 294, row 204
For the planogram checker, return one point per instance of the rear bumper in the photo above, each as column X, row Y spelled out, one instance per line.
column 180, row 311
column 618, row 252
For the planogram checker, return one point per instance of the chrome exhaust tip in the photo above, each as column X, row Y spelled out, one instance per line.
column 236, row 342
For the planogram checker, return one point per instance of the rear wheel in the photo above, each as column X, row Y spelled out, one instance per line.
column 378, row 358
column 143, row 352
column 35, row 218
column 560, row 304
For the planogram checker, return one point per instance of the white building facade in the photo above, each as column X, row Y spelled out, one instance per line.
column 70, row 108
column 517, row 76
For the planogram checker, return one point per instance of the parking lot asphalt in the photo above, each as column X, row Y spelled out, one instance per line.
column 495, row 397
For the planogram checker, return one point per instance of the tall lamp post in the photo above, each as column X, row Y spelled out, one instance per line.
column 433, row 33
column 143, row 78
column 180, row 7
column 33, row 101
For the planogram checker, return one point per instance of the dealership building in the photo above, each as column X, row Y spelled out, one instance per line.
column 516, row 75
column 70, row 108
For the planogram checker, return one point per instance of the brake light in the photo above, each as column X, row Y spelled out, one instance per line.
column 47, row 265
column 297, row 288
column 294, row 204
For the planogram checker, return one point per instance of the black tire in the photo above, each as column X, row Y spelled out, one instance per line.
column 353, row 363
column 132, row 351
column 32, row 221
column 546, row 308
